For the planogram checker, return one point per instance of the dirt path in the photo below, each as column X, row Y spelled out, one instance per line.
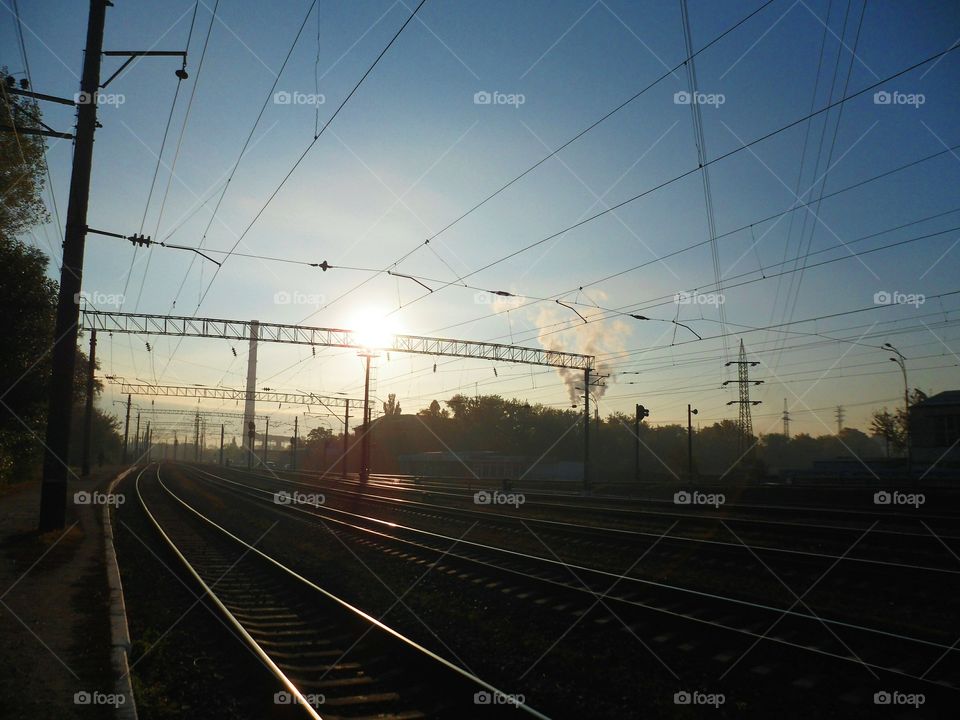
column 54, row 629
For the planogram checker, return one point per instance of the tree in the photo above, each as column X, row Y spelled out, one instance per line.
column 885, row 426
column 391, row 406
column 317, row 436
column 29, row 297
column 434, row 411
column 21, row 163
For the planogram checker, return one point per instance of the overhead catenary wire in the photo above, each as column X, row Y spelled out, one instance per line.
column 46, row 165
column 833, row 141
column 183, row 130
column 676, row 178
column 313, row 142
column 317, row 136
column 246, row 144
column 156, row 169
column 596, row 123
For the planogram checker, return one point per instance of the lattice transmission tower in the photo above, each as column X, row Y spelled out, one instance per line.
column 745, row 423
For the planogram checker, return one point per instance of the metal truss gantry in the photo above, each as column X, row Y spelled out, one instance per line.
column 141, row 324
column 220, row 393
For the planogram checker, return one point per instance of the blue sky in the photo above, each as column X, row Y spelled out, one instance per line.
column 412, row 151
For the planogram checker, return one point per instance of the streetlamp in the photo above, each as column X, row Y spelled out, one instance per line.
column 901, row 360
column 691, row 411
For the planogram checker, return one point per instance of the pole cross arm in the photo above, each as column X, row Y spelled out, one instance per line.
column 142, row 324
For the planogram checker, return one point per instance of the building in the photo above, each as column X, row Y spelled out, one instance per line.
column 935, row 430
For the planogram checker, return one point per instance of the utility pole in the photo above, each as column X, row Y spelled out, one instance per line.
column 636, row 445
column 176, row 442
column 586, row 430
column 149, row 441
column 221, row 444
column 251, row 436
column 597, row 381
column 53, row 494
column 296, row 441
column 126, row 429
column 901, row 361
column 266, row 439
column 691, row 411
column 786, row 420
column 838, row 413
column 88, row 409
column 196, row 437
column 641, row 413
column 346, row 440
column 365, row 438
column 136, row 452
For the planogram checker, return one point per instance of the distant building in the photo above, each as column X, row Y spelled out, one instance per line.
column 935, row 429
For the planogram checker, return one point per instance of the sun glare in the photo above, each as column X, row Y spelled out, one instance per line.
column 373, row 329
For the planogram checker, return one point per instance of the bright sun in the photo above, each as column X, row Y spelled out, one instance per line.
column 373, row 329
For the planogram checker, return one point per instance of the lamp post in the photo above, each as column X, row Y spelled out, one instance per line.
column 901, row 360
column 691, row 411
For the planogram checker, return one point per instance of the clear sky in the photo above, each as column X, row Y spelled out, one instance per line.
column 413, row 150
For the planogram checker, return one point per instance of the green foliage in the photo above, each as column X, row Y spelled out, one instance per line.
column 516, row 428
column 21, row 165
column 391, row 406
column 28, row 297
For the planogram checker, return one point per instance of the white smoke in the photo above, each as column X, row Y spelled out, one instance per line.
column 599, row 338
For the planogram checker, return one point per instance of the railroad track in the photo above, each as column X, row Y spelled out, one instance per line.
column 334, row 660
column 896, row 524
column 895, row 550
column 807, row 647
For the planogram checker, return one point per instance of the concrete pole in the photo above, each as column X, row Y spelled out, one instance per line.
column 88, row 409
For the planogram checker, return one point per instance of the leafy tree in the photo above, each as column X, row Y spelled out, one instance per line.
column 317, row 436
column 391, row 406
column 884, row 425
column 21, row 163
column 434, row 411
column 28, row 297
